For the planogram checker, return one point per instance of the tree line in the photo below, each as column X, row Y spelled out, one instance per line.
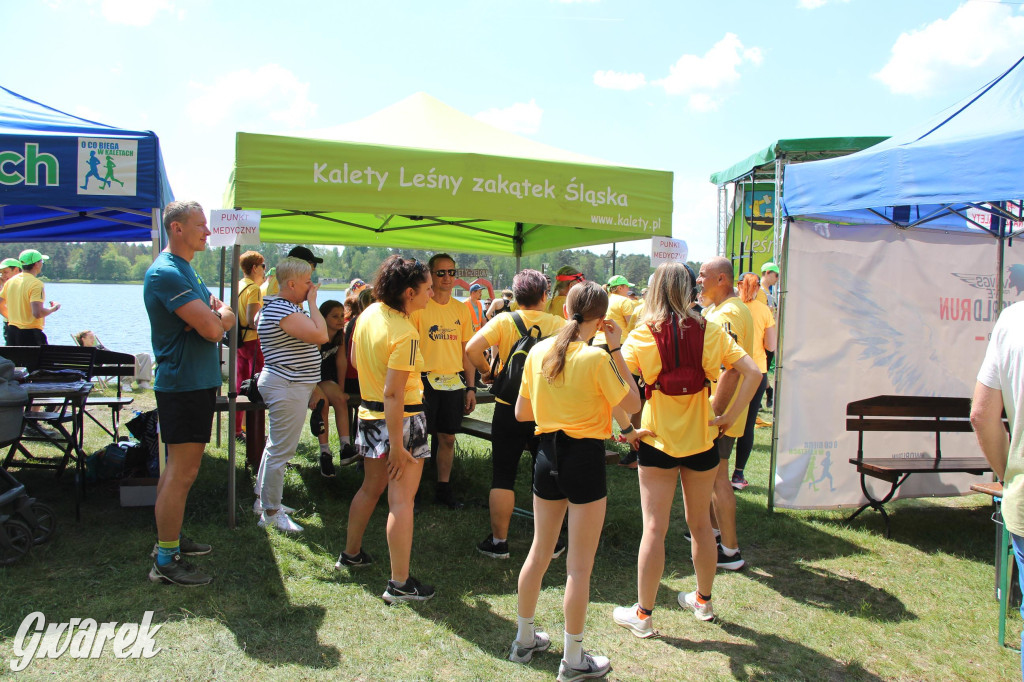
column 127, row 262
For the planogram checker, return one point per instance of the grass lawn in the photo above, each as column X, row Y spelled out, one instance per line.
column 820, row 598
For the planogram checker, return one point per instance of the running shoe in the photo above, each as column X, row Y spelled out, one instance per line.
column 738, row 482
column 186, row 546
column 560, row 548
column 445, row 496
column 628, row 460
column 353, row 560
column 178, row 572
column 488, row 547
column 316, row 419
column 591, row 668
column 280, row 520
column 730, row 563
column 524, row 654
column 348, row 454
column 257, row 508
column 627, row 617
column 689, row 538
column 411, row 590
column 701, row 611
column 327, row 465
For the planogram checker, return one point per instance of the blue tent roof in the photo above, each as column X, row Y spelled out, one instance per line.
column 931, row 175
column 64, row 178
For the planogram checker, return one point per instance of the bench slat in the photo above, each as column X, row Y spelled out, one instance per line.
column 910, row 406
column 922, row 465
column 911, row 425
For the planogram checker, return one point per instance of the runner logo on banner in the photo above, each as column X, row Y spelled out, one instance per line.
column 228, row 228
column 668, row 250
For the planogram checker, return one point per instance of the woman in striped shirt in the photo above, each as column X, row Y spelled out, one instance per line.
column 291, row 351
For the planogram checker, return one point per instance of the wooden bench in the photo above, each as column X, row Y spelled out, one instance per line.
column 920, row 414
column 255, row 427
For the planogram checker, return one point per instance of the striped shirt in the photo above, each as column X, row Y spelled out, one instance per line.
column 283, row 354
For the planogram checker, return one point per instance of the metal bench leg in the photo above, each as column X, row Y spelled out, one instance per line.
column 1005, row 572
column 878, row 505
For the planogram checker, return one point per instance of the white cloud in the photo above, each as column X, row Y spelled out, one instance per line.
column 134, row 12
column 521, row 117
column 815, row 4
column 615, row 80
column 976, row 36
column 270, row 92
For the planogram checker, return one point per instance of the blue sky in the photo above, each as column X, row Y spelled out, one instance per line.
column 690, row 87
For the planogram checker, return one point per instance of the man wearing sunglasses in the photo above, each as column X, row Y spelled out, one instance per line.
column 449, row 390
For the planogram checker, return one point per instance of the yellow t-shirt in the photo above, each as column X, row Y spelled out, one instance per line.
column 580, row 400
column 679, row 422
column 763, row 319
column 270, row 286
column 735, row 319
column 619, row 308
column 556, row 306
column 444, row 331
column 248, row 294
column 19, row 292
column 503, row 333
column 385, row 339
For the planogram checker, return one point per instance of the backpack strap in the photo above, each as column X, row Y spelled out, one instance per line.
column 244, row 328
column 520, row 325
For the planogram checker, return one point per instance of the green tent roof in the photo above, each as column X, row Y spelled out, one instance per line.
column 807, row 149
column 422, row 175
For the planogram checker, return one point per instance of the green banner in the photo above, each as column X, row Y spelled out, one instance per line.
column 751, row 228
column 325, row 192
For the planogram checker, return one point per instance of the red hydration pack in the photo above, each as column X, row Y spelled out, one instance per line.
column 682, row 368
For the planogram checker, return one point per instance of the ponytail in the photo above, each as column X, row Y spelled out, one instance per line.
column 586, row 301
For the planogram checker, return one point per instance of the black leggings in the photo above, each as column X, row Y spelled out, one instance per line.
column 509, row 438
column 745, row 443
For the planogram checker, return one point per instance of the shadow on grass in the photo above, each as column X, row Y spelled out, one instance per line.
column 767, row 656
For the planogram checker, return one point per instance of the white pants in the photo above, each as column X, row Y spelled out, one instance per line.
column 287, row 405
column 143, row 367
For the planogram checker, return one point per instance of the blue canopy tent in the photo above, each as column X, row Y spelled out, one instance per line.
column 67, row 179
column 955, row 177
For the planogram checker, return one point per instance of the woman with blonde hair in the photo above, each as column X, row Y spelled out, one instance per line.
column 676, row 441
column 765, row 341
column 570, row 389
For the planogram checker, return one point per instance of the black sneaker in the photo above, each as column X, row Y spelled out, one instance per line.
column 327, row 465
column 446, row 497
column 186, row 546
column 353, row 561
column 730, row 563
column 487, row 547
column 689, row 538
column 178, row 572
column 316, row 420
column 560, row 548
column 628, row 460
column 411, row 590
column 348, row 454
column 240, row 437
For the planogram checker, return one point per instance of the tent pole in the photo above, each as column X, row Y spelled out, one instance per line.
column 613, row 258
column 723, row 219
column 233, row 341
column 777, row 210
column 773, row 462
column 517, row 243
column 220, row 346
column 156, row 232
column 1000, row 263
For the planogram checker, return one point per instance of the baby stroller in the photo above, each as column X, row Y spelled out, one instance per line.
column 24, row 521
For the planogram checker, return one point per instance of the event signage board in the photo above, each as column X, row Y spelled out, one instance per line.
column 228, row 228
column 381, row 181
column 668, row 250
column 77, row 171
column 870, row 311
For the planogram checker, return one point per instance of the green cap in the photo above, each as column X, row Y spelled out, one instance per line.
column 618, row 281
column 31, row 256
column 10, row 263
column 770, row 267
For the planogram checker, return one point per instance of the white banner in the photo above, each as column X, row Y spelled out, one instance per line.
column 228, row 228
column 871, row 310
column 668, row 250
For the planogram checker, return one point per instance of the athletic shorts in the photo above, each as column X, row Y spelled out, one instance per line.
column 443, row 409
column 650, row 456
column 26, row 337
column 724, row 445
column 186, row 416
column 509, row 437
column 570, row 468
column 372, row 439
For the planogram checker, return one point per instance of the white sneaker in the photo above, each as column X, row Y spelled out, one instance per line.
column 524, row 654
column 688, row 600
column 281, row 521
column 145, row 385
column 257, row 508
column 627, row 617
column 591, row 668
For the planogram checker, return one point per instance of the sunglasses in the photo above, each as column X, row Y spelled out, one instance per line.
column 262, row 265
column 441, row 273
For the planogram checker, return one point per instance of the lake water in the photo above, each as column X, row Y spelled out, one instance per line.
column 115, row 312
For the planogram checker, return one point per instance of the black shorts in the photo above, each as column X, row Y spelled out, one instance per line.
column 443, row 409
column 724, row 445
column 25, row 337
column 570, row 468
column 650, row 456
column 187, row 416
column 509, row 437
column 352, row 386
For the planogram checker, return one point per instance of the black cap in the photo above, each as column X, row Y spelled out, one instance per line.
column 305, row 254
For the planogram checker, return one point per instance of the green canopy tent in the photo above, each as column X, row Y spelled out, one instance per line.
column 420, row 174
column 749, row 229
